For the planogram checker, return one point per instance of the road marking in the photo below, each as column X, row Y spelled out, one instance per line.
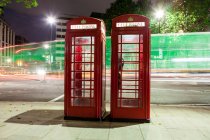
column 176, row 89
column 56, row 99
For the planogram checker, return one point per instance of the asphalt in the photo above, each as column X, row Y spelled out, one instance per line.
column 166, row 88
column 44, row 121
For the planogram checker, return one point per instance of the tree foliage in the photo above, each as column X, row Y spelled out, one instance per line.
column 27, row 3
column 188, row 15
column 120, row 7
column 180, row 15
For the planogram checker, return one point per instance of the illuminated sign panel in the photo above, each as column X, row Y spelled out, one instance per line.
column 130, row 24
column 85, row 26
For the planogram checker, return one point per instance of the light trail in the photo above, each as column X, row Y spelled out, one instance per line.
column 27, row 49
column 176, row 90
column 29, row 44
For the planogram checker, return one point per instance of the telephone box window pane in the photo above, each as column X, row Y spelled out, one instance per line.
column 72, row 42
column 86, row 67
column 130, row 47
column 93, row 40
column 81, row 49
column 130, row 56
column 129, row 94
column 119, row 38
column 92, row 76
column 83, row 40
column 131, row 66
column 131, row 85
column 85, row 75
column 119, row 47
column 130, row 38
column 92, row 94
column 86, row 93
column 132, row 103
column 130, row 76
column 87, row 57
column 81, row 102
column 72, row 50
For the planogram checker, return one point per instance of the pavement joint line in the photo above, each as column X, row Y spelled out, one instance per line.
column 57, row 98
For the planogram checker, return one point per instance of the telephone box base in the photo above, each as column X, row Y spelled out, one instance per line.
column 130, row 120
column 83, row 119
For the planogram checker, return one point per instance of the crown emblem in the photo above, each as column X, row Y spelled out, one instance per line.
column 83, row 21
column 130, row 19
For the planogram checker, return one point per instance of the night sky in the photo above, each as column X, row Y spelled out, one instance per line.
column 31, row 23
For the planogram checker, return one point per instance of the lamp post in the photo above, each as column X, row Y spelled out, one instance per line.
column 159, row 14
column 51, row 20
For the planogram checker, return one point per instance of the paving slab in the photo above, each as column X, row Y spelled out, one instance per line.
column 44, row 121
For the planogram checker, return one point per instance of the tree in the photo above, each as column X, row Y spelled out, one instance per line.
column 184, row 15
column 120, row 7
column 27, row 3
column 200, row 12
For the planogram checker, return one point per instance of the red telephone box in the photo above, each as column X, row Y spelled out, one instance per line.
column 130, row 71
column 85, row 68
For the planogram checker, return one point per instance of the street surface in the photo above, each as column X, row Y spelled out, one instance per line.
column 165, row 89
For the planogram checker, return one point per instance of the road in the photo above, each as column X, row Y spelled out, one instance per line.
column 164, row 89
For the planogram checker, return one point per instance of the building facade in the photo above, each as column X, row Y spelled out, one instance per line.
column 7, row 42
column 60, row 45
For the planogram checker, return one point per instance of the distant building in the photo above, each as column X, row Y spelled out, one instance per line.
column 7, row 42
column 60, row 35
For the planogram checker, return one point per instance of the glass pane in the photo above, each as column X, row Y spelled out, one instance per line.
column 119, row 38
column 72, row 49
column 93, row 40
column 129, row 94
column 133, row 103
column 72, row 41
column 130, row 76
column 82, row 102
column 130, row 56
column 83, row 40
column 130, row 38
column 130, row 47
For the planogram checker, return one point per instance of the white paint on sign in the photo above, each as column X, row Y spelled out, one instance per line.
column 85, row 26
column 130, row 24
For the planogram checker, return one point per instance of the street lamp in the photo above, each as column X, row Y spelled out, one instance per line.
column 159, row 14
column 51, row 20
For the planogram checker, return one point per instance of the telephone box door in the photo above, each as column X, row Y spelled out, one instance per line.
column 84, row 66
column 130, row 70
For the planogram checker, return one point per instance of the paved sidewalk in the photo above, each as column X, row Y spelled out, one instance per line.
column 44, row 121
